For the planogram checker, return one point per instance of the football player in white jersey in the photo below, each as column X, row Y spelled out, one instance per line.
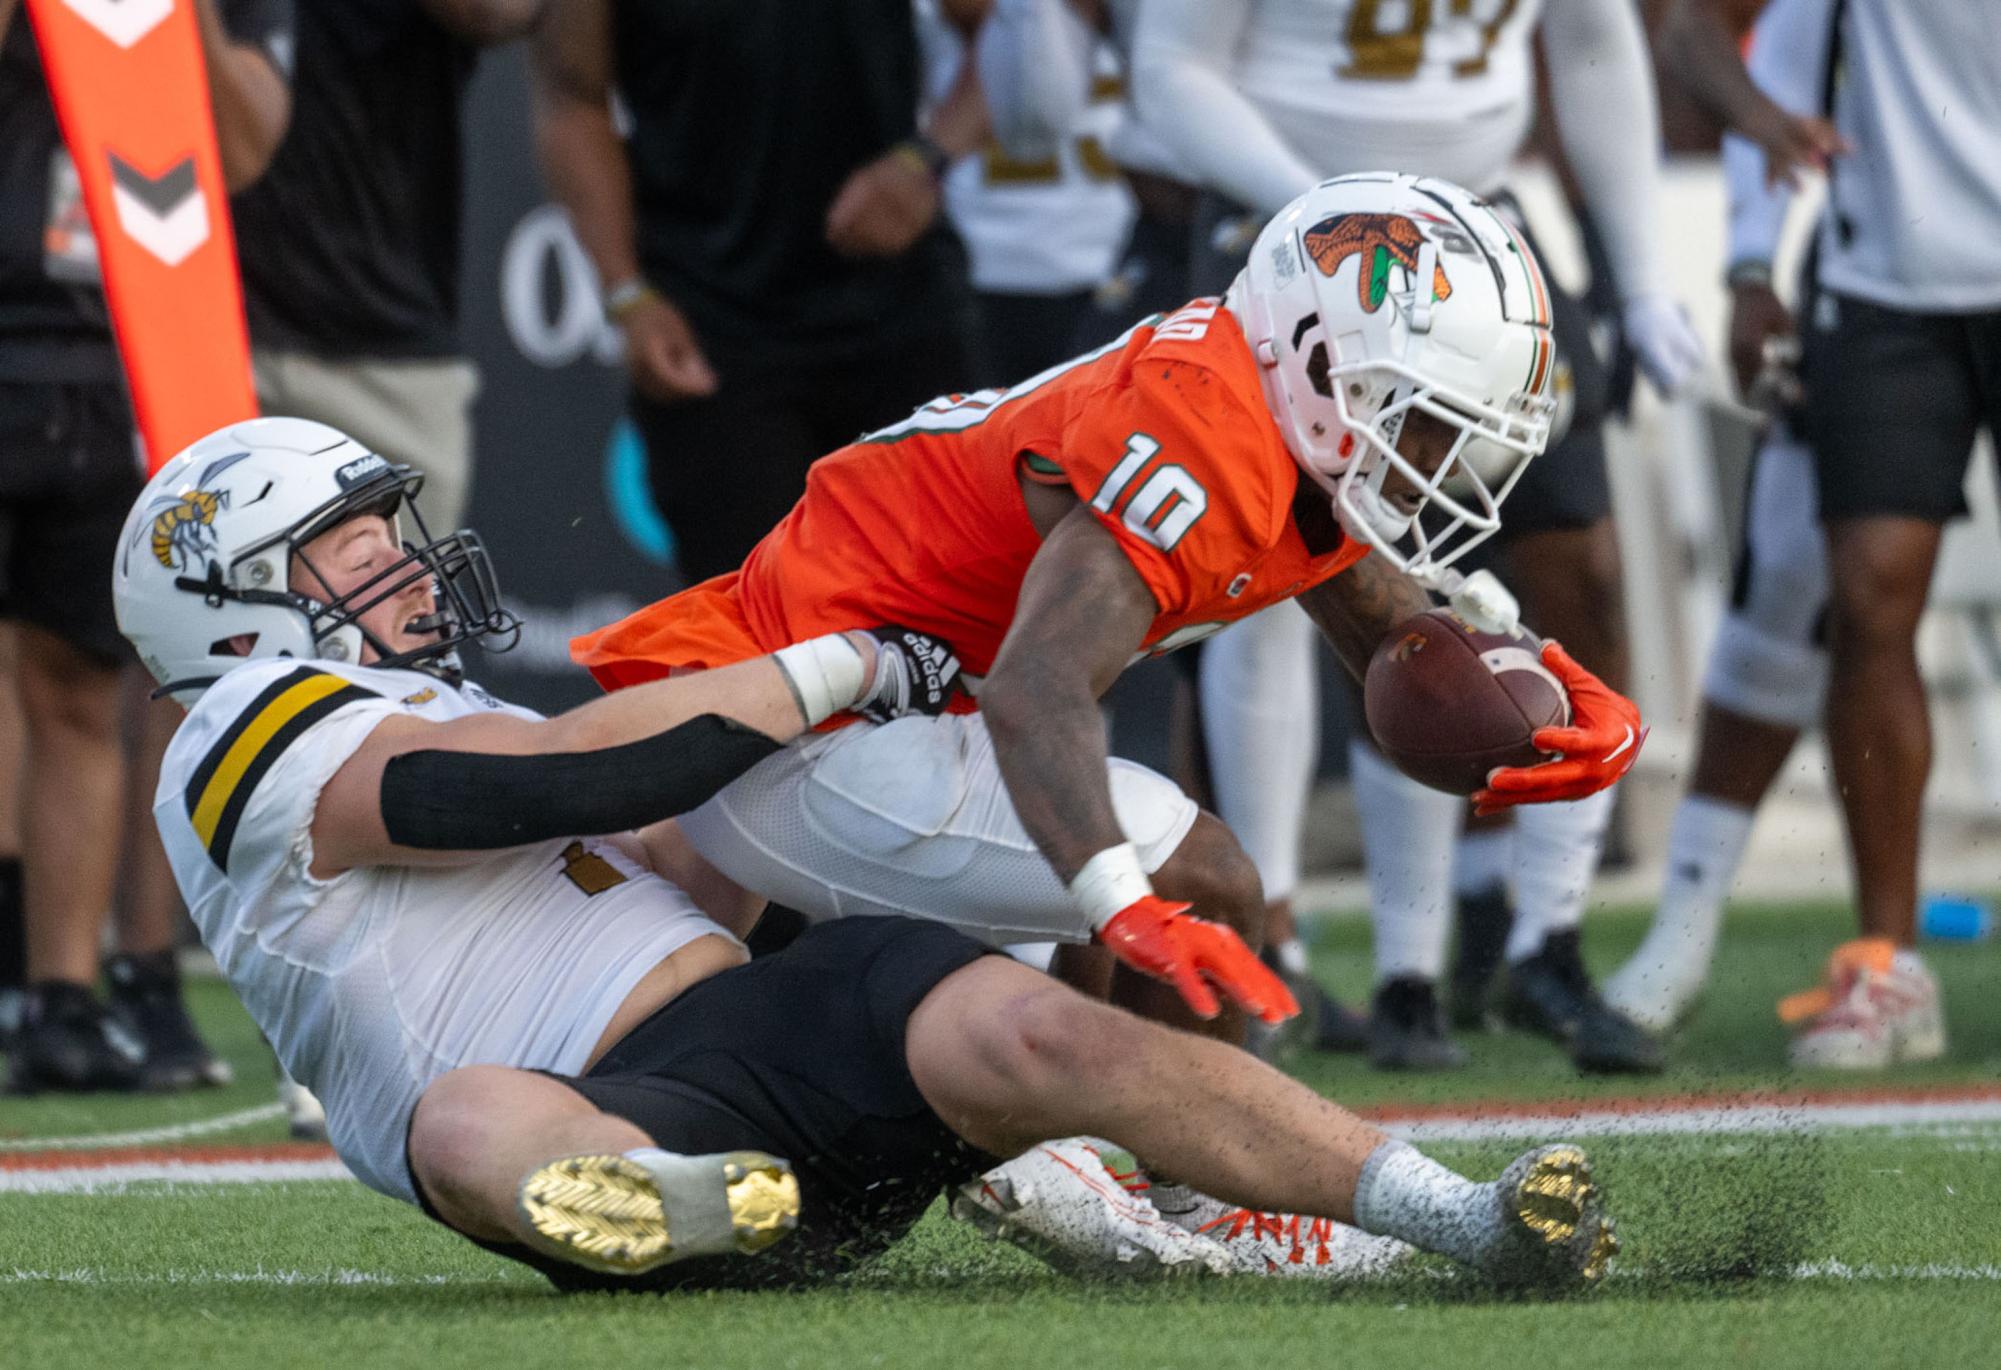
column 1263, row 97
column 1901, row 368
column 1042, row 231
column 447, row 914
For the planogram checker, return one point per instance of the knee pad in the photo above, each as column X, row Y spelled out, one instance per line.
column 1770, row 679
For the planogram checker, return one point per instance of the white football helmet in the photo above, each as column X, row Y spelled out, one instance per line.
column 1377, row 294
column 205, row 557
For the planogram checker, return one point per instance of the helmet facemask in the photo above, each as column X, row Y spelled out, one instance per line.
column 1439, row 514
column 465, row 591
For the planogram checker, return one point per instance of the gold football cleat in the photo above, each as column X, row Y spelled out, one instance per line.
column 1563, row 1236
column 626, row 1215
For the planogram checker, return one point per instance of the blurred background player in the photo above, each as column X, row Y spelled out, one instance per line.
column 765, row 225
column 71, row 459
column 1262, row 98
column 350, row 245
column 1901, row 368
column 1767, row 672
column 1044, row 226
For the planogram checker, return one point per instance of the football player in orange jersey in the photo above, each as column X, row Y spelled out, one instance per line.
column 1388, row 346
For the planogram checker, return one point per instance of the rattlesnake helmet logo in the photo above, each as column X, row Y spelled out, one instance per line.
column 182, row 526
column 1381, row 241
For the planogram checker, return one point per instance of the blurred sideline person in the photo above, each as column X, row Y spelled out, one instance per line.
column 766, row 230
column 1900, row 369
column 71, row 461
column 446, row 912
column 350, row 246
column 1043, row 232
column 1767, row 675
column 1262, row 98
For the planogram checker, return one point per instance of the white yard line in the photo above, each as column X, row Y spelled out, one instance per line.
column 99, row 1179
column 148, row 1136
column 1711, row 1120
column 326, row 1278
column 1811, row 1272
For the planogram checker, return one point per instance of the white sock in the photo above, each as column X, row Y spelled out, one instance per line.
column 1404, row 1193
column 1705, row 846
column 1407, row 835
column 1260, row 688
column 1484, row 860
column 1556, row 855
column 1291, row 957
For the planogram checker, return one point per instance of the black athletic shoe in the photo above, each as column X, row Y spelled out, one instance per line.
column 1551, row 993
column 13, row 1005
column 1341, row 1028
column 1484, row 922
column 146, row 1001
column 68, row 1042
column 1407, row 1028
column 1274, row 1044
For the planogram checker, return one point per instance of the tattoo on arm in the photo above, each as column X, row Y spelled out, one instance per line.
column 1357, row 609
column 1082, row 614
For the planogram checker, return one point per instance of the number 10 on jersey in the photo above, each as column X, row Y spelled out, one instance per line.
column 1166, row 503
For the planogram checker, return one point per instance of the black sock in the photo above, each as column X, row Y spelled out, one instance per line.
column 13, row 926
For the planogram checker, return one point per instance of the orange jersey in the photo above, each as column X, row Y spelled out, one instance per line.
column 1163, row 433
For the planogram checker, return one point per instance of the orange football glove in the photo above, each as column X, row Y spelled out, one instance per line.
column 1604, row 736
column 1159, row 938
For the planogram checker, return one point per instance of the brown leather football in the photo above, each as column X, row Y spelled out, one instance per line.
column 1447, row 703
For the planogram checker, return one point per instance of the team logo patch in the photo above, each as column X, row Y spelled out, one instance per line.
column 183, row 526
column 1381, row 241
column 423, row 696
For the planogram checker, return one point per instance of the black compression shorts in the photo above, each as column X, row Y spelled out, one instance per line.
column 799, row 1054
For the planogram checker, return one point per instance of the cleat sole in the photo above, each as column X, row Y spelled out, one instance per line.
column 1558, row 1207
column 602, row 1212
column 618, row 1216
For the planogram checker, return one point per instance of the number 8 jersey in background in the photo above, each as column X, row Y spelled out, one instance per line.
column 1163, row 434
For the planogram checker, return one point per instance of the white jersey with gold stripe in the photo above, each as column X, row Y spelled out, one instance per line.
column 1438, row 87
column 375, row 982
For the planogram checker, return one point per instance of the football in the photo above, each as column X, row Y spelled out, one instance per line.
column 1447, row 703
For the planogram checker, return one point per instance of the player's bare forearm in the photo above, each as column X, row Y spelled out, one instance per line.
column 486, row 22
column 1356, row 609
column 1082, row 613
column 1698, row 45
column 251, row 100
column 576, row 143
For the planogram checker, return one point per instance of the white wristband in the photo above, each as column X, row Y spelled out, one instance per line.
column 1110, row 881
column 825, row 674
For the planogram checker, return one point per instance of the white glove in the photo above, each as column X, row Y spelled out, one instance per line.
column 1664, row 341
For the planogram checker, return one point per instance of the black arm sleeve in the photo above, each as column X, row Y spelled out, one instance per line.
column 476, row 801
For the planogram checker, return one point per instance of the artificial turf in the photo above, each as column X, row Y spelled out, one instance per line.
column 1865, row 1248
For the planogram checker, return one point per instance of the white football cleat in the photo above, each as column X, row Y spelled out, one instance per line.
column 1880, row 1007
column 1061, row 1202
column 1660, row 983
column 1287, row 1246
column 305, row 1118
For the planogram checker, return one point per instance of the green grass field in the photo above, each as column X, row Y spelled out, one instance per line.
column 1863, row 1247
